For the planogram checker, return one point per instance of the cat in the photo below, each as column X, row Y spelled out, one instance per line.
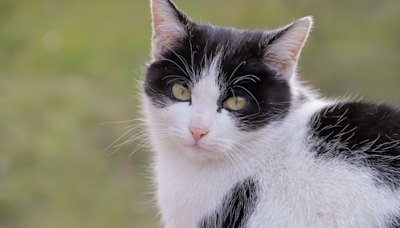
column 239, row 142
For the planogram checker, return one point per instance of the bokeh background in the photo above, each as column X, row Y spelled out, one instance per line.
column 67, row 66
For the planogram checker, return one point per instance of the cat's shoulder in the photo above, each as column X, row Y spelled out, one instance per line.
column 362, row 134
column 356, row 122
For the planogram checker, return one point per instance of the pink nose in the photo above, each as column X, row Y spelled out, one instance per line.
column 198, row 133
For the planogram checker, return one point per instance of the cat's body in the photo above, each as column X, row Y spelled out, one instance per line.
column 276, row 155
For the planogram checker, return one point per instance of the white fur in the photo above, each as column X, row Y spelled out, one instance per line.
column 295, row 189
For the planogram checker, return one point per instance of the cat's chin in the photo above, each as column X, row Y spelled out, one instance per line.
column 200, row 153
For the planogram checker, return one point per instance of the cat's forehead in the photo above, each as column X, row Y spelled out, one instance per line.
column 236, row 52
column 206, row 42
column 232, row 38
column 206, row 92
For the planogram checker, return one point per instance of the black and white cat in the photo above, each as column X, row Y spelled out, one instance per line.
column 241, row 143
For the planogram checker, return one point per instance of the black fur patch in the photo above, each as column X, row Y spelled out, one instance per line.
column 362, row 134
column 242, row 52
column 236, row 208
column 394, row 222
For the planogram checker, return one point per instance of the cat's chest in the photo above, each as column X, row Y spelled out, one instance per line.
column 291, row 190
column 187, row 194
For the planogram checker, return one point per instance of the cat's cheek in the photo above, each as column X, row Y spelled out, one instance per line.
column 160, row 120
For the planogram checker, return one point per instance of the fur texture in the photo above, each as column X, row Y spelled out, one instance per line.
column 287, row 159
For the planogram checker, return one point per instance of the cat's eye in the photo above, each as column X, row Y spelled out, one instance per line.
column 235, row 103
column 181, row 92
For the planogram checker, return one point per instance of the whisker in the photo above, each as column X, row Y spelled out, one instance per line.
column 121, row 137
column 124, row 121
column 176, row 76
column 192, row 53
column 138, row 147
column 250, row 77
column 138, row 125
column 131, row 139
column 183, row 61
column 121, row 145
column 176, row 64
column 230, row 77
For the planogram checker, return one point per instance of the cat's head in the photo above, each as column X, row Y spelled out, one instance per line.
column 209, row 90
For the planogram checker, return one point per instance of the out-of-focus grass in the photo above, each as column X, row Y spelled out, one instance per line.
column 68, row 66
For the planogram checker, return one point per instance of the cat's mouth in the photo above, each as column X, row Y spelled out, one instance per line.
column 202, row 150
column 198, row 150
column 196, row 147
column 201, row 153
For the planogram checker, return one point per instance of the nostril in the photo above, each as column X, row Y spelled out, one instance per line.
column 198, row 133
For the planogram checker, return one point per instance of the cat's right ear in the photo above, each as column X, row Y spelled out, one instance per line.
column 170, row 25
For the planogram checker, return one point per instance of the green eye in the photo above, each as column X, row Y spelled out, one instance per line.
column 180, row 92
column 235, row 103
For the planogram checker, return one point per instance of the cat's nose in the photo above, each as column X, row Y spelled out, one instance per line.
column 197, row 133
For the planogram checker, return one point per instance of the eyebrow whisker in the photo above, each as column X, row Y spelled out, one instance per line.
column 230, row 77
column 250, row 77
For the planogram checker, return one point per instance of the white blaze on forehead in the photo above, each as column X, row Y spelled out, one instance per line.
column 206, row 91
column 205, row 94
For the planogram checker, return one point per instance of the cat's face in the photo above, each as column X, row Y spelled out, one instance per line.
column 209, row 90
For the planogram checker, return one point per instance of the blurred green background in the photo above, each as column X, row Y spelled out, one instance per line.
column 66, row 66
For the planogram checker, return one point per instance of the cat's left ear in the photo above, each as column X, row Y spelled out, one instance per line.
column 170, row 25
column 283, row 47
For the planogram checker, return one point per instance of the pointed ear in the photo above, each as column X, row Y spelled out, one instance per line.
column 170, row 25
column 283, row 47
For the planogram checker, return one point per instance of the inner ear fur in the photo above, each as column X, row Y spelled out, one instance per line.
column 283, row 46
column 170, row 25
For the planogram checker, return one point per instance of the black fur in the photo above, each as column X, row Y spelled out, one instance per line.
column 362, row 134
column 237, row 207
column 243, row 52
column 394, row 222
